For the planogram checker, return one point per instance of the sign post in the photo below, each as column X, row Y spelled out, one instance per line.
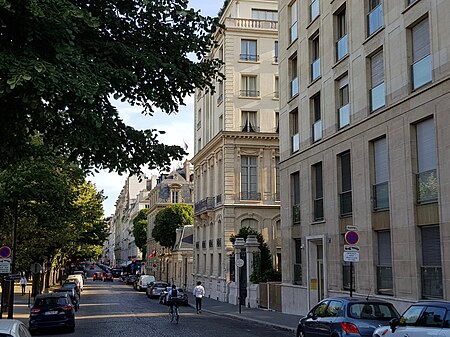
column 351, row 251
column 240, row 264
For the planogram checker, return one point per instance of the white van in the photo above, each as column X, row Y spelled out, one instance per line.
column 77, row 277
column 144, row 281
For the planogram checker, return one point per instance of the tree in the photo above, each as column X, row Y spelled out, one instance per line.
column 168, row 220
column 62, row 62
column 140, row 230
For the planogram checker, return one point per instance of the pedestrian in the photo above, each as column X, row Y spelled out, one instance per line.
column 23, row 283
column 199, row 292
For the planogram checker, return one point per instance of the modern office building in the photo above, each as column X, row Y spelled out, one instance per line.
column 236, row 145
column 364, row 146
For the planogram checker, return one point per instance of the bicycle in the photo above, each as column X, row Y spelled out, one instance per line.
column 174, row 313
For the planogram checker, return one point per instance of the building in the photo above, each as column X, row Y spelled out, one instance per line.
column 364, row 144
column 236, row 145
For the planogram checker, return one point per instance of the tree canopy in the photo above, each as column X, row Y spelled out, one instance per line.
column 168, row 220
column 63, row 61
column 140, row 230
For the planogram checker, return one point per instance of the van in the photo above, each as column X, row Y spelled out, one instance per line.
column 79, row 278
column 144, row 281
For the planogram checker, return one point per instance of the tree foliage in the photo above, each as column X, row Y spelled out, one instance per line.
column 140, row 230
column 63, row 61
column 168, row 220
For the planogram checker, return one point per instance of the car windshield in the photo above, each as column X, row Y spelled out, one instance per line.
column 50, row 301
column 5, row 335
column 373, row 311
column 160, row 285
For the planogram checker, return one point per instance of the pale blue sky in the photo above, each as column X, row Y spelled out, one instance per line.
column 179, row 127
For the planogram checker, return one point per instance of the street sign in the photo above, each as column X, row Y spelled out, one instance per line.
column 5, row 251
column 35, row 268
column 349, row 248
column 352, row 228
column 351, row 237
column 352, row 256
column 239, row 263
column 5, row 266
column 14, row 277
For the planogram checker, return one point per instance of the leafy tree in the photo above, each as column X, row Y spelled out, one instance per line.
column 263, row 270
column 63, row 61
column 140, row 230
column 168, row 220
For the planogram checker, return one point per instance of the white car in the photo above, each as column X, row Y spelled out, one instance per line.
column 422, row 319
column 13, row 328
column 144, row 281
column 78, row 277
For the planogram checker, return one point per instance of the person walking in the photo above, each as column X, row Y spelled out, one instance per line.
column 199, row 292
column 23, row 284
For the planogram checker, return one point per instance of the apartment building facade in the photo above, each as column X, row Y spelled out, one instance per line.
column 364, row 144
column 236, row 145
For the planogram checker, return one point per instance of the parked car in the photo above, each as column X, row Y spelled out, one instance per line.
column 131, row 279
column 77, row 277
column 74, row 296
column 182, row 296
column 424, row 318
column 97, row 276
column 143, row 282
column 108, row 277
column 73, row 284
column 91, row 266
column 80, row 272
column 346, row 316
column 52, row 310
column 13, row 328
column 155, row 290
column 116, row 272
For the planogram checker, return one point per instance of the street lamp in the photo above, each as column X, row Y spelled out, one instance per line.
column 239, row 244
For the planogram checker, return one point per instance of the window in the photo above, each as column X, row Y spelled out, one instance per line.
column 252, row 223
column 298, row 261
column 221, row 53
column 174, row 196
column 377, row 95
column 277, row 178
column 220, row 122
column 264, row 14
column 293, row 74
column 275, row 58
column 293, row 15
column 211, row 259
column 249, row 121
column 249, row 86
column 315, row 64
column 248, row 51
column 314, row 9
column 381, row 175
column 375, row 16
column 220, row 93
column 249, row 178
column 276, row 93
column 294, row 133
column 431, row 269
column 342, row 38
column 317, row 119
column 318, row 192
column 426, row 179
column 277, row 121
column 432, row 317
column 384, row 266
column 219, row 264
column 409, row 2
column 199, row 119
column 344, row 106
column 346, row 276
column 345, row 195
column 295, row 197
column 421, row 58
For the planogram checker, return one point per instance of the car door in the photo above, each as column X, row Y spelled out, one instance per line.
column 430, row 322
column 311, row 323
column 326, row 323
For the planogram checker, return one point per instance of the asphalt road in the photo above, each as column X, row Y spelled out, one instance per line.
column 116, row 309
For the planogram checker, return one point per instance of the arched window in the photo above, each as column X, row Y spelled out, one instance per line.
column 252, row 223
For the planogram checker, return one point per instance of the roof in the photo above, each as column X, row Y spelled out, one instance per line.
column 51, row 295
column 357, row 299
column 6, row 325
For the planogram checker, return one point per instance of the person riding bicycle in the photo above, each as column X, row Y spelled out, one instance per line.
column 172, row 297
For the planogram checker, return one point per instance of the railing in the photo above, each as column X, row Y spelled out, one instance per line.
column 249, row 93
column 385, row 285
column 342, row 47
column 431, row 282
column 250, row 196
column 381, row 196
column 377, row 96
column 251, row 23
column 205, row 204
column 294, row 87
column 344, row 116
column 315, row 69
column 422, row 72
column 297, row 273
column 219, row 242
column 375, row 19
column 295, row 214
column 346, row 203
column 427, row 186
column 210, row 202
column 219, row 99
column 249, row 57
column 211, row 243
column 218, row 199
column 204, row 244
column 318, row 209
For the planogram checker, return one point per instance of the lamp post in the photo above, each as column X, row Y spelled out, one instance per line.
column 239, row 244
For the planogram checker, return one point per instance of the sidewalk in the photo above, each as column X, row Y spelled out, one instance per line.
column 261, row 316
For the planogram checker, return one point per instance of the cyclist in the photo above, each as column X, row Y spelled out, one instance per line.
column 172, row 300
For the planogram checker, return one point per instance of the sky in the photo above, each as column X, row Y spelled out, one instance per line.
column 179, row 127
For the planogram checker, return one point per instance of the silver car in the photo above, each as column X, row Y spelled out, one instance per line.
column 156, row 289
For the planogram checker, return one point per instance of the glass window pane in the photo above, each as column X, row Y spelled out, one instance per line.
column 422, row 72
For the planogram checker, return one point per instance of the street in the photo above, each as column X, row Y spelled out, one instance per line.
column 116, row 309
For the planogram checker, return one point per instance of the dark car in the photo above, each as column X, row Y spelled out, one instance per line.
column 346, row 316
column 182, row 296
column 155, row 290
column 74, row 296
column 108, row 277
column 51, row 311
column 97, row 276
column 116, row 272
column 71, row 285
column 424, row 318
column 131, row 279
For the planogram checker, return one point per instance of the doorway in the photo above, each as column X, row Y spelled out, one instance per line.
column 316, row 269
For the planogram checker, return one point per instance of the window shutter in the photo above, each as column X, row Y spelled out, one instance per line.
column 426, row 146
column 431, row 246
column 384, row 249
column 420, row 40
column 381, row 161
column 377, row 69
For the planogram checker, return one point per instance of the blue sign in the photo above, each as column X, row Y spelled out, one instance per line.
column 5, row 251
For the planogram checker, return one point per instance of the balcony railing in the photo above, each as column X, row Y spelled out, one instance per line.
column 249, row 57
column 318, row 209
column 427, row 186
column 219, row 242
column 342, row 47
column 432, row 282
column 250, row 196
column 295, row 214
column 346, row 203
column 211, row 243
column 204, row 244
column 385, row 285
column 205, row 204
column 249, row 93
column 381, row 196
column 251, row 23
column 375, row 19
column 422, row 72
column 344, row 116
column 315, row 69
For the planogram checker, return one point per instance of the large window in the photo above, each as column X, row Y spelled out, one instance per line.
column 314, row 9
column 315, row 53
column 293, row 75
column 294, row 133
column 384, row 266
column 293, row 16
column 264, row 14
column 248, row 50
column 295, row 197
column 276, row 93
column 381, row 175
column 249, row 121
column 431, row 269
column 317, row 118
column 275, row 57
column 377, row 95
column 249, row 178
column 426, row 180
column 375, row 16
column 344, row 105
column 345, row 195
column 421, row 58
column 248, row 86
column 318, row 192
column 298, row 261
column 342, row 38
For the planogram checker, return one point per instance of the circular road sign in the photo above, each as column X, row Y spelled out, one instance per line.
column 5, row 251
column 239, row 263
column 351, row 237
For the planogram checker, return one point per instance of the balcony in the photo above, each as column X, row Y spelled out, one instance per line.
column 205, row 204
column 296, row 214
column 381, row 196
column 345, row 199
column 315, row 69
column 249, row 57
column 422, row 72
column 250, row 196
column 375, row 19
column 249, row 93
column 251, row 24
column 211, row 243
column 427, row 187
column 219, row 242
column 344, row 116
column 342, row 47
column 204, row 244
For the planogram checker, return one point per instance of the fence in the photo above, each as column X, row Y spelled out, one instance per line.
column 270, row 296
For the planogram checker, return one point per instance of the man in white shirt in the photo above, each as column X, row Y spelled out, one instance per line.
column 199, row 292
column 23, row 284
